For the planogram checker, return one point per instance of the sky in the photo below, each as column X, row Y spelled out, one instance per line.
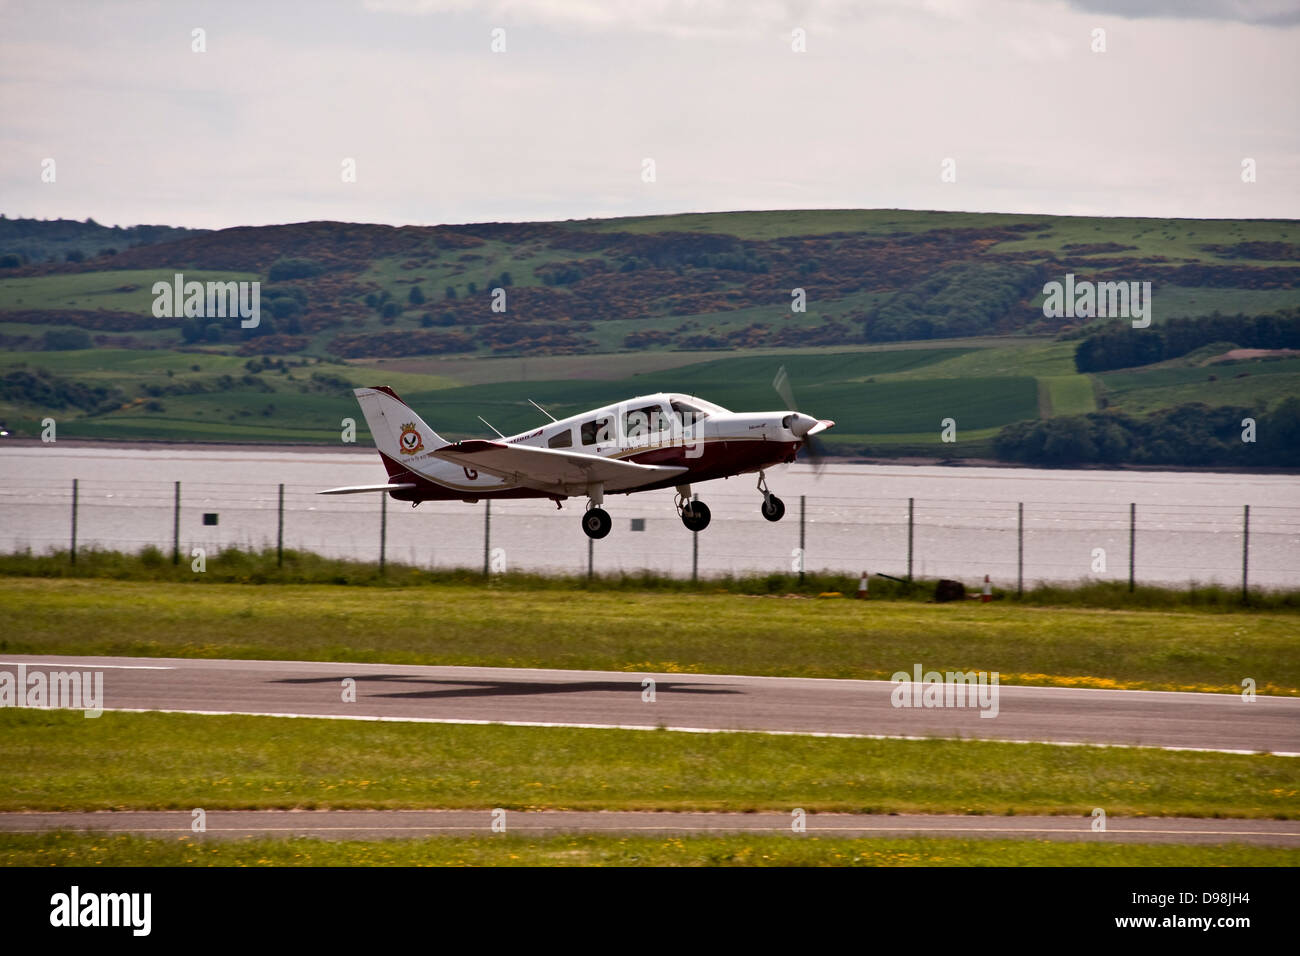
column 975, row 105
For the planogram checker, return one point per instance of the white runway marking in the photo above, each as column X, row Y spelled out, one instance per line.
column 93, row 667
column 681, row 730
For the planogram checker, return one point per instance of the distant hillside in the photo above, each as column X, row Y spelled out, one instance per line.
column 29, row 241
column 719, row 281
column 907, row 319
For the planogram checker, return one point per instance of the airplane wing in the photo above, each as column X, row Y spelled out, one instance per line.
column 358, row 489
column 550, row 469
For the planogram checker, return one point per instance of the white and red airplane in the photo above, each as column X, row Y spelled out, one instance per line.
column 656, row 441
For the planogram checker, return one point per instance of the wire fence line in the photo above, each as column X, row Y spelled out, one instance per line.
column 1016, row 543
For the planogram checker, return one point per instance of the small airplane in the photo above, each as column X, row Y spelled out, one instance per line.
column 664, row 440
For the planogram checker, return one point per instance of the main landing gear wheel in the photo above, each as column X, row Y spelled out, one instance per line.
column 596, row 522
column 695, row 515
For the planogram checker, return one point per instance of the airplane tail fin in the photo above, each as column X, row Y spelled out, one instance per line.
column 400, row 434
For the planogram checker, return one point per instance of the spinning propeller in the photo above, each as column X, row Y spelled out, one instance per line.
column 804, row 426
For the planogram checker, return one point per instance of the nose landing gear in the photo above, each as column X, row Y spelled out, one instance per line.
column 773, row 508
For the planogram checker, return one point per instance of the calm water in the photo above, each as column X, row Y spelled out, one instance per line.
column 855, row 517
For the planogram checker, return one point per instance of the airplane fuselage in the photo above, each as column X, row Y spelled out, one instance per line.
column 661, row 429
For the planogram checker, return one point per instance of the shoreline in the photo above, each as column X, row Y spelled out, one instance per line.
column 913, row 461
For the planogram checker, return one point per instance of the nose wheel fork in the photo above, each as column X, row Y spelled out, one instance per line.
column 773, row 508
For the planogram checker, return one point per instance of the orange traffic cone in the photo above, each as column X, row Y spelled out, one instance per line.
column 862, row 585
column 988, row 590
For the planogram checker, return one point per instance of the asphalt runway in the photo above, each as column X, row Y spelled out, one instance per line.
column 394, row 824
column 688, row 702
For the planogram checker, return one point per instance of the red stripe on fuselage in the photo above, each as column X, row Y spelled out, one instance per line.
column 715, row 459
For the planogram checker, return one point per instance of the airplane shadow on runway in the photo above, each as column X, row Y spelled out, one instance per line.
column 501, row 688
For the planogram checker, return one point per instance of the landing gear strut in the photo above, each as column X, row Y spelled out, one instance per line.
column 773, row 508
column 694, row 514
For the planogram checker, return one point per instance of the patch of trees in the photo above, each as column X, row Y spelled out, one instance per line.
column 283, row 269
column 1092, row 248
column 1119, row 345
column 274, row 343
column 24, row 241
column 1191, row 434
column 397, row 344
column 41, row 387
column 101, row 320
column 1274, row 251
column 567, row 273
column 229, row 329
column 59, row 340
column 962, row 299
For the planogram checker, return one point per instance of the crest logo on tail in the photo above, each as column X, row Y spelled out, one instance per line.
column 410, row 441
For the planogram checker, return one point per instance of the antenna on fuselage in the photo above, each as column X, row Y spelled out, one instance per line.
column 489, row 425
column 543, row 411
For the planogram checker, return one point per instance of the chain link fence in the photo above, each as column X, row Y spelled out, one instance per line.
column 1010, row 541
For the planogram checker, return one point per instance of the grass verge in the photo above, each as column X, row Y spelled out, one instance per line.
column 237, row 566
column 59, row 760
column 522, row 624
column 90, row 849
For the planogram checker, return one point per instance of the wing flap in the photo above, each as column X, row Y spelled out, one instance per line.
column 550, row 469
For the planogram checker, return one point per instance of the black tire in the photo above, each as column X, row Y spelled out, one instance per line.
column 596, row 522
column 695, row 515
column 773, row 508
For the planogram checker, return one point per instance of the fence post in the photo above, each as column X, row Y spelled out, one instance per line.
column 910, row 502
column 279, row 532
column 487, row 533
column 803, row 554
column 1132, row 540
column 73, row 552
column 1245, row 554
column 383, row 528
column 591, row 556
column 1020, row 548
column 695, row 552
column 176, row 527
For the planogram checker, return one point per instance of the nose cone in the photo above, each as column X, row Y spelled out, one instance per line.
column 804, row 426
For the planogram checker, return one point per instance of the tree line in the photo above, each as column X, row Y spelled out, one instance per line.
column 1190, row 434
column 1119, row 345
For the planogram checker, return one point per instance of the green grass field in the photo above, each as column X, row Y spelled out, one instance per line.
column 1253, row 384
column 83, row 849
column 60, row 760
column 123, row 290
column 1176, row 239
column 526, row 625
column 885, row 401
column 1068, row 394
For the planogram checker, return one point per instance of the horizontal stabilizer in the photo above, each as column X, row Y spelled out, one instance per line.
column 358, row 489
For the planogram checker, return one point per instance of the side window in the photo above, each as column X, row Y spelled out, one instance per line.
column 595, row 431
column 643, row 421
column 562, row 439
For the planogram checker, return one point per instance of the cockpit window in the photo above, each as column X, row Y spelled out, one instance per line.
column 597, row 430
column 562, row 439
column 644, row 421
column 686, row 413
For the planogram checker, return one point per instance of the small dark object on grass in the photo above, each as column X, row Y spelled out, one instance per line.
column 948, row 590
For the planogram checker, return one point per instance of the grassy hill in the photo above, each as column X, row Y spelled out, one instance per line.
column 911, row 318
